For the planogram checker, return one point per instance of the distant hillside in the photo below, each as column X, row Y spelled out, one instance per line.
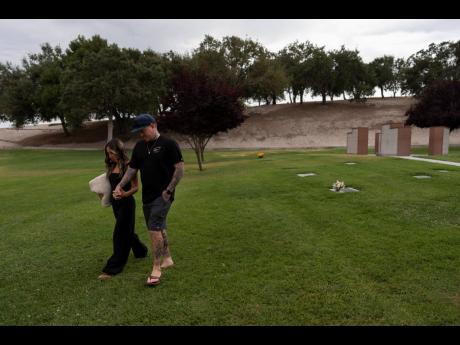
column 278, row 126
column 311, row 124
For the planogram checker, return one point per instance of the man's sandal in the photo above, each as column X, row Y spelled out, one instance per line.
column 153, row 283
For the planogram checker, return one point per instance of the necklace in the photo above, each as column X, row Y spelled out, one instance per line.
column 151, row 149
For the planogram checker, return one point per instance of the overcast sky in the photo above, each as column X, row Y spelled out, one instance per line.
column 372, row 37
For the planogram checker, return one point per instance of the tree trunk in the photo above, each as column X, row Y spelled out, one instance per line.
column 394, row 94
column 198, row 145
column 259, row 102
column 198, row 158
column 295, row 98
column 344, row 98
column 64, row 125
column 274, row 99
column 332, row 98
column 381, row 90
column 289, row 93
column 324, row 98
column 301, row 98
column 202, row 151
column 204, row 142
column 110, row 128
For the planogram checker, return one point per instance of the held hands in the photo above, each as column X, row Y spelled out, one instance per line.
column 118, row 193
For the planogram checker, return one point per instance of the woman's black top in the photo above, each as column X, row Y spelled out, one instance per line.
column 115, row 179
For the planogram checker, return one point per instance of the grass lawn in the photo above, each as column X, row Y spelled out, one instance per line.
column 254, row 244
column 453, row 156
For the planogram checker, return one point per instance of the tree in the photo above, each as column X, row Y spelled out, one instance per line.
column 363, row 82
column 145, row 80
column 267, row 79
column 344, row 62
column 439, row 105
column 293, row 58
column 396, row 81
column 438, row 62
column 16, row 103
column 213, row 61
column 383, row 71
column 455, row 50
column 80, row 86
column 45, row 71
column 106, row 81
column 240, row 54
column 353, row 75
column 198, row 106
column 320, row 70
column 237, row 54
column 3, row 83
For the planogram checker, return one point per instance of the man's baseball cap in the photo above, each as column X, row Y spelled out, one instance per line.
column 142, row 121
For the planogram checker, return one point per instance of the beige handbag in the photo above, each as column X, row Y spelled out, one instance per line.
column 101, row 185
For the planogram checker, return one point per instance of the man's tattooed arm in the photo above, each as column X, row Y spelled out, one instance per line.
column 178, row 173
column 129, row 174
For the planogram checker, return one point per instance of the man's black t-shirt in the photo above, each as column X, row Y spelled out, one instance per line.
column 155, row 159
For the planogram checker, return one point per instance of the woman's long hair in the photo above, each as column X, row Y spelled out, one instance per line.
column 116, row 145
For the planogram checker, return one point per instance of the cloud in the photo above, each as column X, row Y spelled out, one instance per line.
column 371, row 37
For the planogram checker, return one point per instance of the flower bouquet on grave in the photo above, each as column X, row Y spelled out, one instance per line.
column 338, row 186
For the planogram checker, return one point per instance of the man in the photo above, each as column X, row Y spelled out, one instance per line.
column 161, row 164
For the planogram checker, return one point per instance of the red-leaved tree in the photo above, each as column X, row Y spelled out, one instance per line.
column 439, row 105
column 198, row 105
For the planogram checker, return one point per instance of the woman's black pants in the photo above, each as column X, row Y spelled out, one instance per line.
column 124, row 237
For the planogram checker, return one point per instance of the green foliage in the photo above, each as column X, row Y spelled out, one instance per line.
column 45, row 71
column 238, row 55
column 346, row 63
column 104, row 80
column 95, row 79
column 363, row 83
column 16, row 96
column 320, row 73
column 438, row 62
column 397, row 80
column 382, row 68
column 293, row 58
column 353, row 75
column 267, row 80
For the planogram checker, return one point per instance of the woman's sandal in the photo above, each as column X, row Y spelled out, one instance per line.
column 153, row 283
column 104, row 276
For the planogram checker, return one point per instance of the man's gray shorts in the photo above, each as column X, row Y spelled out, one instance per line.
column 155, row 214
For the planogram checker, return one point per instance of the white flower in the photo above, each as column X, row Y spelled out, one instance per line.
column 338, row 185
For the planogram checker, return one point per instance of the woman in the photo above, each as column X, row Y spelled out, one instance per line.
column 123, row 205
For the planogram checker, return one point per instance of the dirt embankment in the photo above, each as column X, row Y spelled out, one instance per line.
column 274, row 126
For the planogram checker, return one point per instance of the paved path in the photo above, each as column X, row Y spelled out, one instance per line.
column 429, row 160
